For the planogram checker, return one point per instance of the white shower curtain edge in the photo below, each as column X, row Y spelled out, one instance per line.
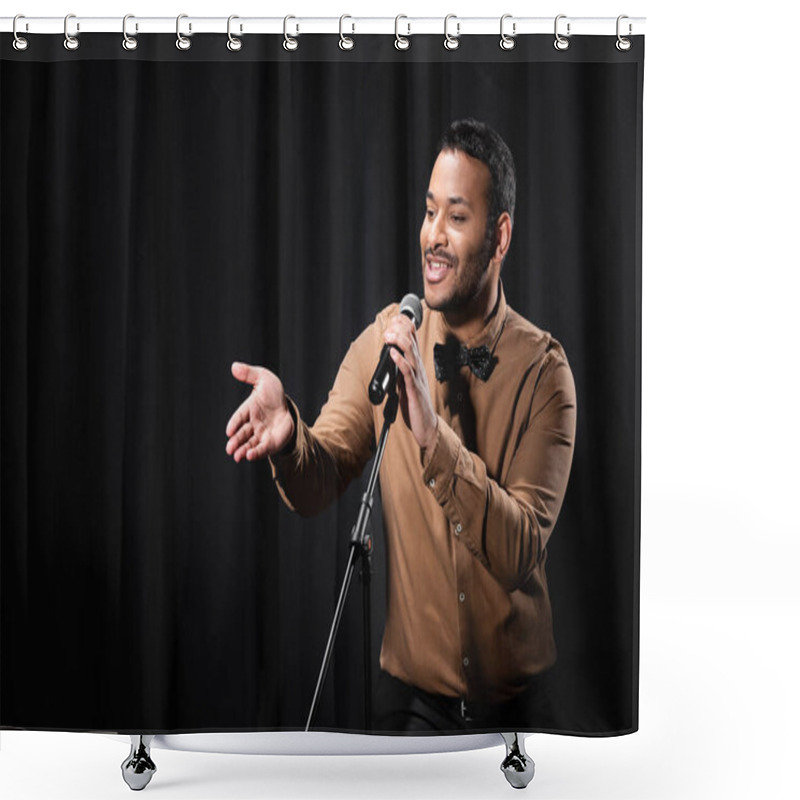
column 317, row 743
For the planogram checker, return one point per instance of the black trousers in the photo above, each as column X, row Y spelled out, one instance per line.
column 400, row 708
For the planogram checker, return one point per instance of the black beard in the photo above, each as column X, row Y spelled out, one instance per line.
column 463, row 296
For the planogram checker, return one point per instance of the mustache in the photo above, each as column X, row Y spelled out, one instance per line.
column 441, row 255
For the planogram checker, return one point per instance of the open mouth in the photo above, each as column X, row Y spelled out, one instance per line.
column 436, row 269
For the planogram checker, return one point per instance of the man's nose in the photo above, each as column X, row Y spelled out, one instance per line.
column 437, row 236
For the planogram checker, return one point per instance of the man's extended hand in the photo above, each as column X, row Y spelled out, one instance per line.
column 262, row 425
column 412, row 382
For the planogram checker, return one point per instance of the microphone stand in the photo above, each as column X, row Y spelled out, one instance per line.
column 360, row 549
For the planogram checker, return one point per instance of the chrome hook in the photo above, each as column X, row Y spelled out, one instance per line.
column 234, row 44
column 507, row 42
column 401, row 42
column 623, row 44
column 561, row 42
column 182, row 42
column 451, row 42
column 71, row 42
column 129, row 42
column 289, row 43
column 20, row 42
column 346, row 42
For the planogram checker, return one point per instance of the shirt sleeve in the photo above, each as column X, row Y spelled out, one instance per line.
column 331, row 453
column 507, row 526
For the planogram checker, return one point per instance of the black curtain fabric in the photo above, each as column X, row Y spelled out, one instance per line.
column 165, row 213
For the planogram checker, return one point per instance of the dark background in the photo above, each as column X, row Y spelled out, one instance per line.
column 166, row 213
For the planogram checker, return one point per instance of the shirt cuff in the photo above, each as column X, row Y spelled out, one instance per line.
column 439, row 462
column 447, row 460
column 288, row 455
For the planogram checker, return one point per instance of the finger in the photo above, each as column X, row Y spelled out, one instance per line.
column 398, row 338
column 415, row 353
column 401, row 385
column 244, row 449
column 410, row 352
column 406, row 369
column 239, row 418
column 240, row 437
column 259, row 451
column 399, row 326
column 245, row 372
column 403, row 321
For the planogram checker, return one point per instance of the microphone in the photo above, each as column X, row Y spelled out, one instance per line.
column 386, row 370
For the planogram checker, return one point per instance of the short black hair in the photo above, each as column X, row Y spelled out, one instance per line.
column 478, row 140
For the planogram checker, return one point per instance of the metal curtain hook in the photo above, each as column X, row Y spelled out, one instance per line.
column 182, row 42
column 451, row 42
column 20, row 42
column 401, row 42
column 507, row 42
column 289, row 43
column 622, row 43
column 561, row 42
column 129, row 42
column 234, row 44
column 70, row 42
column 345, row 42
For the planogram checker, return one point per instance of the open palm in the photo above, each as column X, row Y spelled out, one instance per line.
column 262, row 425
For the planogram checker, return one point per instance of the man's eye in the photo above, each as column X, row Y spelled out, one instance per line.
column 457, row 218
column 429, row 213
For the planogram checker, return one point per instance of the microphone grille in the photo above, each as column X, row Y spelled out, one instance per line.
column 411, row 307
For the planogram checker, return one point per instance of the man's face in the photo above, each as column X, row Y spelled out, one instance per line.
column 453, row 238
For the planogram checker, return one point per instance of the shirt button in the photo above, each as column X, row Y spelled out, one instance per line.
column 432, row 482
column 460, row 397
column 458, row 529
column 462, row 597
column 465, row 662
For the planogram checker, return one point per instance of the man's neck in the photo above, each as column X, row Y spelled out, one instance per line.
column 470, row 321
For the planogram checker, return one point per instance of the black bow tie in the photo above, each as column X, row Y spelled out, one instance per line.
column 447, row 358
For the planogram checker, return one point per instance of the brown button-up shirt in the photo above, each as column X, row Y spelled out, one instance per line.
column 467, row 522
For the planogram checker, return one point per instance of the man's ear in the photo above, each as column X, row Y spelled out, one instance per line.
column 502, row 236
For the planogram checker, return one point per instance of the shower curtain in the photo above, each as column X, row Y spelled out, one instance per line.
column 166, row 212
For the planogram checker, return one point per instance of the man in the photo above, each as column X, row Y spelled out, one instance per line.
column 472, row 480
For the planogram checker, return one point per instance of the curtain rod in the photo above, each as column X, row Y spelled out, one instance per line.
column 405, row 26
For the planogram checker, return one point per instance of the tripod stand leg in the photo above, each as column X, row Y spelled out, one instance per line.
column 518, row 766
column 337, row 616
column 360, row 547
